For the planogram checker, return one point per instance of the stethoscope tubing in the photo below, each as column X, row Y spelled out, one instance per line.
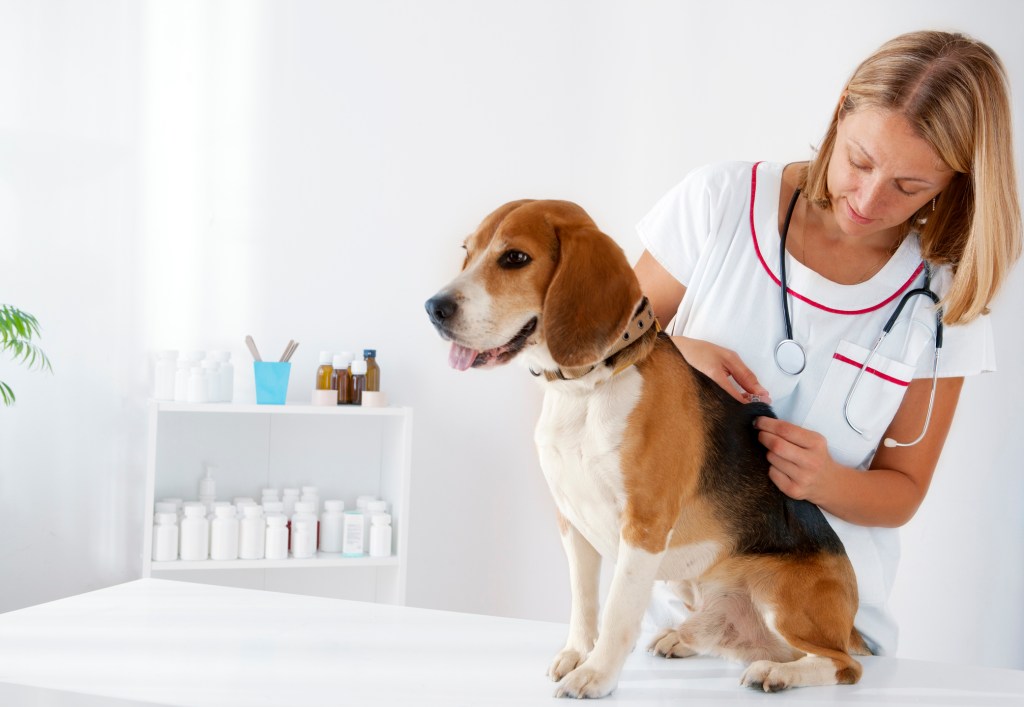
column 791, row 358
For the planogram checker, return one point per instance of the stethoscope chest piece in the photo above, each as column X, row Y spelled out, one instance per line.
column 790, row 357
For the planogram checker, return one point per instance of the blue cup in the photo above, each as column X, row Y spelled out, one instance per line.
column 271, row 381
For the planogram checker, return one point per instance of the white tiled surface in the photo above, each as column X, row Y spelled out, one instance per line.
column 166, row 642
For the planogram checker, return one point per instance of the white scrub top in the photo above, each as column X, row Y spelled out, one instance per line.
column 717, row 233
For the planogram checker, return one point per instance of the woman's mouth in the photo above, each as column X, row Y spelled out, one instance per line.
column 852, row 214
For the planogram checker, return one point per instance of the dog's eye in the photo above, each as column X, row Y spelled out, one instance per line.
column 513, row 259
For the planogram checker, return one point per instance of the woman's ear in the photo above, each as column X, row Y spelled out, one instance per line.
column 591, row 297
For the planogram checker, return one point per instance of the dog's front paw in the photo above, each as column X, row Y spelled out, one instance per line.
column 768, row 676
column 586, row 682
column 669, row 644
column 565, row 662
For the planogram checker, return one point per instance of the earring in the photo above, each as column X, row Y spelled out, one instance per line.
column 933, row 203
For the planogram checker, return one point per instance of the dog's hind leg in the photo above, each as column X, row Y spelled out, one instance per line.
column 724, row 622
column 584, row 579
column 811, row 605
column 635, row 570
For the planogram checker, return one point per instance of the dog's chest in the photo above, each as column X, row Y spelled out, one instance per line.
column 579, row 437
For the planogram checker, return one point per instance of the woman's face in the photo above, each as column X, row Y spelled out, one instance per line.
column 881, row 172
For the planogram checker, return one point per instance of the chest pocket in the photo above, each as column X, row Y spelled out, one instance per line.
column 872, row 406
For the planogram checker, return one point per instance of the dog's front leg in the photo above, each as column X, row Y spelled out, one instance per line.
column 635, row 570
column 584, row 578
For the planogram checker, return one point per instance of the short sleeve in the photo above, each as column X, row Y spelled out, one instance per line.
column 677, row 228
column 967, row 349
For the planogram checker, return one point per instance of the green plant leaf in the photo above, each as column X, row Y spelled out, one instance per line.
column 6, row 394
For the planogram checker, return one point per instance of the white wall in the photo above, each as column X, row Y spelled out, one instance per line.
column 181, row 174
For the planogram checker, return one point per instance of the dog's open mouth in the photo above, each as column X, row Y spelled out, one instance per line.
column 461, row 357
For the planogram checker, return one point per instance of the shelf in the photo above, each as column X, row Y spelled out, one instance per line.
column 321, row 560
column 287, row 409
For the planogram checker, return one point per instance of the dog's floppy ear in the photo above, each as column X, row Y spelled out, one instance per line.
column 591, row 297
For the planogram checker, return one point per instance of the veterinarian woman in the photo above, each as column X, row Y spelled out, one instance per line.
column 911, row 192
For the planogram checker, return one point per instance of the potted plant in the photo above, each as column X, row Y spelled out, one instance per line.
column 16, row 331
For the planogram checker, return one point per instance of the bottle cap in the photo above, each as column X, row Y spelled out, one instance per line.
column 348, row 356
column 165, row 507
column 252, row 511
column 369, row 353
column 270, row 493
column 362, row 501
column 380, row 519
column 359, row 368
column 377, row 506
column 291, row 492
column 277, row 521
column 166, row 518
column 339, row 362
column 273, row 507
column 195, row 510
column 305, row 507
column 311, row 490
column 325, row 358
column 334, row 506
column 226, row 511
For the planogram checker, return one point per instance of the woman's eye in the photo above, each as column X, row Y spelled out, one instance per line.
column 861, row 167
column 513, row 259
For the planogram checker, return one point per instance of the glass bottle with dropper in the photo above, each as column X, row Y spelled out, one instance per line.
column 372, row 370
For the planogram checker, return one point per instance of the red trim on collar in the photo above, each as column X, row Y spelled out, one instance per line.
column 803, row 298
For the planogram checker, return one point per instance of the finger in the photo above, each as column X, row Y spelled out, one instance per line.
column 793, row 434
column 784, row 483
column 745, row 377
column 725, row 382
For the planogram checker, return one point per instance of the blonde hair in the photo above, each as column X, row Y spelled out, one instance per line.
column 953, row 91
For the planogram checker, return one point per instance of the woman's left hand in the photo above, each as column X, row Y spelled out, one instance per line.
column 800, row 463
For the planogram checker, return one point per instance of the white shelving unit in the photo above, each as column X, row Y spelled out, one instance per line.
column 346, row 451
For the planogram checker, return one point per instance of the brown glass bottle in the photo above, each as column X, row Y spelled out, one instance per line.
column 372, row 370
column 358, row 381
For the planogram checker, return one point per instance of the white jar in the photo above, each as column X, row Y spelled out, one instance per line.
column 277, row 537
column 289, row 497
column 252, row 536
column 273, row 508
column 370, row 509
column 165, row 536
column 304, row 525
column 211, row 375
column 181, row 380
column 332, row 531
column 353, row 540
column 225, row 376
column 224, row 533
column 164, row 375
column 311, row 494
column 197, row 390
column 195, row 533
column 380, row 535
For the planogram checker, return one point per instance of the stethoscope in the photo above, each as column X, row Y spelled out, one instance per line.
column 791, row 358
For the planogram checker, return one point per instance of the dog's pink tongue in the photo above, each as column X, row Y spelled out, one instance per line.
column 460, row 358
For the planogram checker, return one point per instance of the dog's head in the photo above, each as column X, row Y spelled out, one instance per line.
column 538, row 276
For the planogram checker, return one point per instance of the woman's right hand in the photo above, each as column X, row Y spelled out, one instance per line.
column 722, row 366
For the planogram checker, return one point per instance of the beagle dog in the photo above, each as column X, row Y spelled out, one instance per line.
column 650, row 464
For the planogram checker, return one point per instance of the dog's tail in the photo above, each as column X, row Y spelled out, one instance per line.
column 858, row 646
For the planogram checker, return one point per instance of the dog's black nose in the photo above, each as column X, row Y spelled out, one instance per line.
column 440, row 308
